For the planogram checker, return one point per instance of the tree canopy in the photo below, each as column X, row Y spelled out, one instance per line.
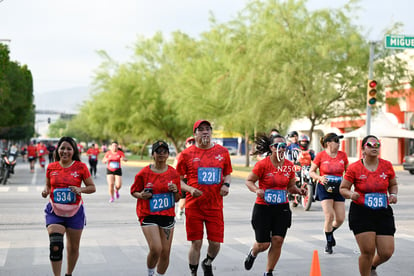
column 275, row 62
column 16, row 98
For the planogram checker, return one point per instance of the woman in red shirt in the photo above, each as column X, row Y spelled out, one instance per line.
column 113, row 169
column 332, row 164
column 157, row 188
column 371, row 217
column 64, row 213
column 271, row 213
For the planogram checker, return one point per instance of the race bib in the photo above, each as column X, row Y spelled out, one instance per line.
column 63, row 196
column 160, row 202
column 275, row 196
column 376, row 200
column 114, row 165
column 209, row 176
column 93, row 157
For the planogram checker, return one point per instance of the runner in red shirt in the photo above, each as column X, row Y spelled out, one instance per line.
column 113, row 170
column 207, row 167
column 157, row 188
column 371, row 218
column 64, row 213
column 332, row 164
column 271, row 213
column 41, row 153
column 93, row 153
column 31, row 155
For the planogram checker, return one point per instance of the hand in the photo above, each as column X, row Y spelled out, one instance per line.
column 354, row 196
column 224, row 190
column 392, row 198
column 323, row 179
column 172, row 187
column 45, row 193
column 196, row 192
column 303, row 191
column 260, row 193
column 146, row 195
column 76, row 190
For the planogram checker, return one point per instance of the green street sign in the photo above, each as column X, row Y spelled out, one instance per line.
column 399, row 41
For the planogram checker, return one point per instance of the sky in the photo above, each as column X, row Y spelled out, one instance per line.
column 58, row 39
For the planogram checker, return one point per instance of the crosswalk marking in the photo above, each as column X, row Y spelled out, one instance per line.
column 4, row 247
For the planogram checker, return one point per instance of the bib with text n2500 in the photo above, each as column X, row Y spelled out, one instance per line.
column 376, row 200
column 209, row 176
column 275, row 196
column 64, row 196
column 160, row 202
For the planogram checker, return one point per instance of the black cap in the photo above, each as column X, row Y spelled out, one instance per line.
column 332, row 136
column 159, row 144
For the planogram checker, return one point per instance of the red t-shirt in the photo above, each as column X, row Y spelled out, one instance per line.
column 93, row 153
column 146, row 178
column 114, row 160
column 205, row 169
column 41, row 150
column 31, row 151
column 331, row 166
column 271, row 177
column 366, row 181
column 64, row 177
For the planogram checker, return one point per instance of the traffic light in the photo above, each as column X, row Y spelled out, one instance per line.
column 48, row 120
column 372, row 93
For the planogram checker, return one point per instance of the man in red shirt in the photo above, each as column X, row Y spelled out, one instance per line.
column 31, row 155
column 207, row 167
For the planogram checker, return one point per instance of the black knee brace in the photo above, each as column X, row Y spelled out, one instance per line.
column 56, row 247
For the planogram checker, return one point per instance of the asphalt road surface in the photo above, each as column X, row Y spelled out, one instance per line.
column 113, row 244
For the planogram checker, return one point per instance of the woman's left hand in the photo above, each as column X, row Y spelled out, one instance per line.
column 76, row 190
column 392, row 198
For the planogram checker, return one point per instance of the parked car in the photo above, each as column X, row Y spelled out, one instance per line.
column 232, row 150
column 408, row 163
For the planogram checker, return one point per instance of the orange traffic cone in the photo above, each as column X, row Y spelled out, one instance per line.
column 315, row 267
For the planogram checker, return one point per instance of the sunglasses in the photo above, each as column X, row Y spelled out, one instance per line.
column 191, row 142
column 374, row 145
column 281, row 145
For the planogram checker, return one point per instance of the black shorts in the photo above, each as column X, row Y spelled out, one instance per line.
column 364, row 219
column 31, row 158
column 270, row 220
column 166, row 222
column 93, row 162
column 116, row 172
column 322, row 194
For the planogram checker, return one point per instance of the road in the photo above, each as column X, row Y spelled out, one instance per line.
column 113, row 244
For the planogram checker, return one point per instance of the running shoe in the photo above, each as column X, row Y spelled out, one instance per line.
column 208, row 269
column 116, row 194
column 268, row 274
column 111, row 200
column 248, row 262
column 328, row 248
